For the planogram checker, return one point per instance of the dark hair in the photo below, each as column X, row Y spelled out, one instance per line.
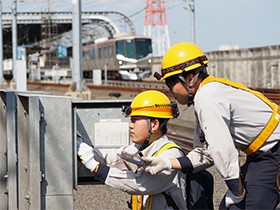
column 163, row 124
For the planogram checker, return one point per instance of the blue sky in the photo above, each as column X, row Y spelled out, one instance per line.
column 246, row 23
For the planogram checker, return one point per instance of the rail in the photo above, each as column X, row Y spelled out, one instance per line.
column 131, row 86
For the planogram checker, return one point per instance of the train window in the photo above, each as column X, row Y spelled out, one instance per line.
column 130, row 53
column 85, row 54
column 110, row 51
column 91, row 53
column 120, row 47
column 99, row 52
column 143, row 47
column 134, row 48
column 126, row 48
column 107, row 51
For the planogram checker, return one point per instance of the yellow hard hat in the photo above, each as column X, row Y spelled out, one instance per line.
column 184, row 56
column 152, row 103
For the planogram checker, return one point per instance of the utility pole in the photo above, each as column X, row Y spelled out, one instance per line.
column 192, row 9
column 1, row 45
column 14, row 38
column 77, row 45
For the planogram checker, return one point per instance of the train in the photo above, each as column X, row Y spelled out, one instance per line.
column 122, row 57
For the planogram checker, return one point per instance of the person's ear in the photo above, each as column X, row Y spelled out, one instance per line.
column 155, row 125
column 190, row 79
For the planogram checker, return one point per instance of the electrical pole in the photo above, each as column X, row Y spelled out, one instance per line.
column 14, row 38
column 1, row 45
column 192, row 9
column 77, row 45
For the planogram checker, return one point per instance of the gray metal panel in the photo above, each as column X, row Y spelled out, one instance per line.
column 28, row 118
column 33, row 135
column 11, row 149
column 102, row 123
column 8, row 136
column 8, row 151
column 56, row 152
column 45, row 152
column 27, row 126
column 3, row 160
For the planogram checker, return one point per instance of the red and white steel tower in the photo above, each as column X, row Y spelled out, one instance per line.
column 156, row 26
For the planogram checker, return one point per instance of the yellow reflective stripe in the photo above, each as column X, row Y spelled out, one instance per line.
column 137, row 202
column 257, row 143
column 166, row 147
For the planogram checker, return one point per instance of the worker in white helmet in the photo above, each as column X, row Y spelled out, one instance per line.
column 230, row 118
column 149, row 113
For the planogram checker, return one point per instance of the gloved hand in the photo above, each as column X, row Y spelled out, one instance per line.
column 86, row 154
column 231, row 199
column 156, row 164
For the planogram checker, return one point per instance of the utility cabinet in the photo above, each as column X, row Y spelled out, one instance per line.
column 102, row 125
column 38, row 158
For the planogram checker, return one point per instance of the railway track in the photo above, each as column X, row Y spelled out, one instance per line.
column 127, row 86
column 272, row 94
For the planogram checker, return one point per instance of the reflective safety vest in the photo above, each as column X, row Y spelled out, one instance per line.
column 137, row 200
column 272, row 123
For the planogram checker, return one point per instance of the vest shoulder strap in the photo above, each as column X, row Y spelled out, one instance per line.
column 166, row 147
column 257, row 143
column 137, row 200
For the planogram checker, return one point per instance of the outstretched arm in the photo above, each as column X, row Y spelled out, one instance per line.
column 158, row 164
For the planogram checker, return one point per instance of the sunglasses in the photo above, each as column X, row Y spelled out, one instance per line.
column 173, row 80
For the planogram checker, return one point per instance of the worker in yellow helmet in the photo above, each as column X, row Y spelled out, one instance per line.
column 230, row 118
column 122, row 168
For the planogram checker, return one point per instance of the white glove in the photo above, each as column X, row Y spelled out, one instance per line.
column 86, row 154
column 231, row 199
column 156, row 164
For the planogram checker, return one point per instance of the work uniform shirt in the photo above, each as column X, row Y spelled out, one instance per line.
column 120, row 176
column 230, row 119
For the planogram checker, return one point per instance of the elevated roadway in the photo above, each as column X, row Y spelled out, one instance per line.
column 95, row 25
column 66, row 17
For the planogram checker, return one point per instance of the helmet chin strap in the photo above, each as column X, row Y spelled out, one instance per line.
column 191, row 95
column 190, row 91
column 147, row 141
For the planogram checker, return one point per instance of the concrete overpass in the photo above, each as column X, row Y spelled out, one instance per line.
column 95, row 24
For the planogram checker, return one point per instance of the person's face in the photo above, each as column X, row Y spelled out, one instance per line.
column 178, row 88
column 138, row 129
column 180, row 93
